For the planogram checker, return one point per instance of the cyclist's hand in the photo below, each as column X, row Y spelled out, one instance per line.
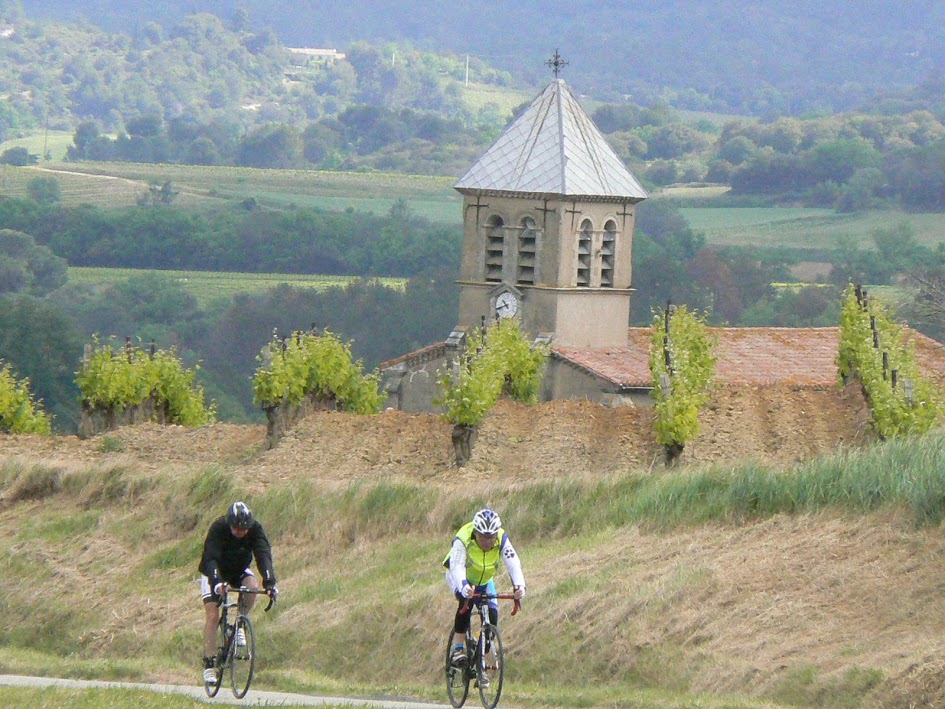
column 467, row 590
column 273, row 593
column 520, row 592
column 220, row 589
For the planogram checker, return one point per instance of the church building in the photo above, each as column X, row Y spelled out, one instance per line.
column 548, row 215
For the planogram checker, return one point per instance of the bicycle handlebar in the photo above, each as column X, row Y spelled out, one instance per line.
column 244, row 589
column 489, row 597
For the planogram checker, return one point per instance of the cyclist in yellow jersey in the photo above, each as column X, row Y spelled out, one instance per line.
column 472, row 563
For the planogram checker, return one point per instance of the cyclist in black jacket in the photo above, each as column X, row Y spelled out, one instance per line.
column 231, row 544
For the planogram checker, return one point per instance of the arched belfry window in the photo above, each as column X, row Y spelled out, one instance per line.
column 585, row 241
column 527, row 251
column 608, row 252
column 495, row 248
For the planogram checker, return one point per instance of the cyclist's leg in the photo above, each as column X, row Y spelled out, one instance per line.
column 489, row 590
column 460, row 622
column 211, row 607
column 249, row 581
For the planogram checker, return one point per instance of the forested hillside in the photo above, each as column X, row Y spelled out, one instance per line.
column 750, row 57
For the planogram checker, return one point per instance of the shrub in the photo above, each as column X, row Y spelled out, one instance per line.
column 471, row 389
column 501, row 360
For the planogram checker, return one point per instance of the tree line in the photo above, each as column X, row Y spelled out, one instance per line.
column 362, row 137
column 238, row 238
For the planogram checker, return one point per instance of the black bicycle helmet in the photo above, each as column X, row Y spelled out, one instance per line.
column 239, row 516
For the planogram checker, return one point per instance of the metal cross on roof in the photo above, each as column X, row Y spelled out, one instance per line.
column 556, row 63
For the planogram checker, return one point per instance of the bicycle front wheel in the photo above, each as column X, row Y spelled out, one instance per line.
column 491, row 666
column 457, row 678
column 213, row 687
column 242, row 657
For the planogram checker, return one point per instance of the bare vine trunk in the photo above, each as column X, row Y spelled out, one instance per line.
column 464, row 438
column 282, row 417
column 673, row 451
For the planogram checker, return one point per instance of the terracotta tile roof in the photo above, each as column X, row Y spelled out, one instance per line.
column 746, row 355
column 800, row 356
column 625, row 366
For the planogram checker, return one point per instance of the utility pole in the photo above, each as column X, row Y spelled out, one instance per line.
column 46, row 136
column 467, row 71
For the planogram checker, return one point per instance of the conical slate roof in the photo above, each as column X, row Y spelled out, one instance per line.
column 553, row 148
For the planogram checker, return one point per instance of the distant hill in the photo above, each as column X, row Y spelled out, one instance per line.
column 755, row 57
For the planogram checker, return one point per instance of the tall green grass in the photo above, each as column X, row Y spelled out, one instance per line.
column 905, row 474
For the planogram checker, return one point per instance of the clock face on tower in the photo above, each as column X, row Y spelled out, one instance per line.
column 506, row 305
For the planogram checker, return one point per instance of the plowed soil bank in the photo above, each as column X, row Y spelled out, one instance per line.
column 781, row 425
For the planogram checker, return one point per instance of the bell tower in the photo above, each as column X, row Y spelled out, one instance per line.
column 548, row 214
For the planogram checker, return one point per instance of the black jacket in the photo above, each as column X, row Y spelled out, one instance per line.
column 226, row 557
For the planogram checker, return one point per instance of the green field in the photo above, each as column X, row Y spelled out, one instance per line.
column 120, row 184
column 805, row 228
column 40, row 142
column 476, row 96
column 430, row 197
column 77, row 188
column 207, row 286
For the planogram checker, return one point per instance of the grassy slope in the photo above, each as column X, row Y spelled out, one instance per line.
column 808, row 588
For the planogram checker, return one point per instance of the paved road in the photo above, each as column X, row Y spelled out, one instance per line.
column 252, row 698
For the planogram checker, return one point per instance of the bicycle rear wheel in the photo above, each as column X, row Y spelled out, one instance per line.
column 490, row 668
column 457, row 678
column 242, row 658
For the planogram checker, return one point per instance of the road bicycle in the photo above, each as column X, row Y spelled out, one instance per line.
column 239, row 658
column 485, row 661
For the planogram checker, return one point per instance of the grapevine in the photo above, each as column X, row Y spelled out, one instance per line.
column 894, row 408
column 117, row 380
column 314, row 365
column 681, row 384
column 18, row 412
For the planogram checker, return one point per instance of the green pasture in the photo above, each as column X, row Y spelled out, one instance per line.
column 207, row 286
column 39, row 142
column 430, row 197
column 476, row 96
column 120, row 184
column 101, row 190
column 799, row 227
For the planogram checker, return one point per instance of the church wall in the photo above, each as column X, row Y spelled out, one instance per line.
column 563, row 380
column 588, row 318
column 413, row 388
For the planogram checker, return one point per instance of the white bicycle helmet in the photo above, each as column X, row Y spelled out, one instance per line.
column 487, row 522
